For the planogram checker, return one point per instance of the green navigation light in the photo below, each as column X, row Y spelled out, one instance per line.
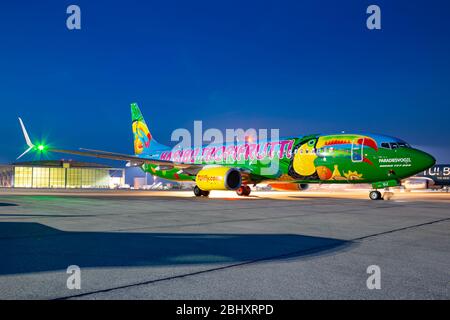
column 41, row 147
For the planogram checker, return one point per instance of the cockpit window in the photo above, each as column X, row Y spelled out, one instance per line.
column 394, row 145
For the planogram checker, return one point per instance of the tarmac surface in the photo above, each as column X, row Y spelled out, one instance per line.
column 271, row 245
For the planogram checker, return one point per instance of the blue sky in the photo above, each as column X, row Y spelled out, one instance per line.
column 301, row 66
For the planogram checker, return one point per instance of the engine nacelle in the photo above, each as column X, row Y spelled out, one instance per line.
column 218, row 178
column 289, row 186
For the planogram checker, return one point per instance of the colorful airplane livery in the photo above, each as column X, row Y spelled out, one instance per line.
column 286, row 164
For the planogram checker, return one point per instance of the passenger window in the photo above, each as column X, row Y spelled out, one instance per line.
column 385, row 145
column 394, row 145
column 402, row 145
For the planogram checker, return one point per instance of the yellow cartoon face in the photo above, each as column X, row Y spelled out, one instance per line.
column 304, row 158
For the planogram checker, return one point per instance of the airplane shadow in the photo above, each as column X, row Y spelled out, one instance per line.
column 27, row 247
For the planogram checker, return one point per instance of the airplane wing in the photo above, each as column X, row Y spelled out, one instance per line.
column 108, row 155
column 123, row 157
column 189, row 168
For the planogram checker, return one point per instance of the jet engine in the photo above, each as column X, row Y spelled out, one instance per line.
column 218, row 178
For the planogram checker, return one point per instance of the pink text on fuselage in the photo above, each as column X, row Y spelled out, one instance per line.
column 241, row 152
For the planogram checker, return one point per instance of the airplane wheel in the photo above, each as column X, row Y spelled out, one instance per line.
column 240, row 191
column 243, row 191
column 375, row 195
column 197, row 191
column 205, row 193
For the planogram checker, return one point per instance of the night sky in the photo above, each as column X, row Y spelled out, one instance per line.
column 300, row 66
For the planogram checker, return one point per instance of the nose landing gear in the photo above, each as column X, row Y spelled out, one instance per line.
column 375, row 195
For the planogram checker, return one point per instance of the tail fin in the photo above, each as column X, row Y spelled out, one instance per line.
column 144, row 143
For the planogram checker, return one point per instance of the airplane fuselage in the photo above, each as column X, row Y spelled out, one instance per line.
column 332, row 158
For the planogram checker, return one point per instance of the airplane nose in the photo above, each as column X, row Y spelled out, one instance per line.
column 426, row 160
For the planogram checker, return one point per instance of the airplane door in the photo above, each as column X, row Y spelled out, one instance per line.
column 357, row 150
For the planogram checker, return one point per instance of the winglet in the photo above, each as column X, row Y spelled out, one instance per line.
column 27, row 139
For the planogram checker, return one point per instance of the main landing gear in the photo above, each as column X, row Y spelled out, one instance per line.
column 243, row 191
column 199, row 192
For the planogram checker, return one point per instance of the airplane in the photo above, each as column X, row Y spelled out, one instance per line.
column 380, row 160
column 436, row 177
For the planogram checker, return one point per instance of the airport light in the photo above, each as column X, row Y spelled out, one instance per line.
column 41, row 147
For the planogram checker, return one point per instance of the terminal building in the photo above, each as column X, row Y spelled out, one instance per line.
column 60, row 174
